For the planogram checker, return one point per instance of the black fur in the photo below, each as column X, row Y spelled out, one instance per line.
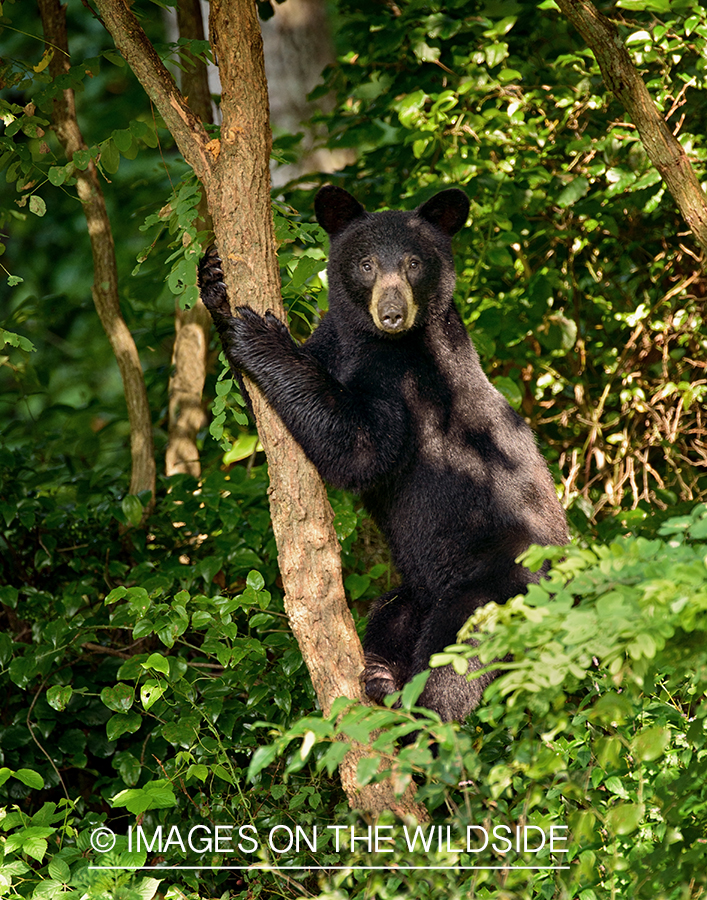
column 450, row 473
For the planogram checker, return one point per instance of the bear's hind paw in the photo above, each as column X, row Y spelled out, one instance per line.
column 378, row 681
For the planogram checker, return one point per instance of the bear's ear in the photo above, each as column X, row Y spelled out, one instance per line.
column 335, row 208
column 447, row 210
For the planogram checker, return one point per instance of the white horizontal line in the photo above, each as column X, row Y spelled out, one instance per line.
column 267, row 868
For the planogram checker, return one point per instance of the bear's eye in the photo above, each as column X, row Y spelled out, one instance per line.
column 366, row 265
column 414, row 263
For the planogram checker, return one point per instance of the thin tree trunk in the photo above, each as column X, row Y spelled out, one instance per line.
column 621, row 76
column 235, row 175
column 186, row 384
column 105, row 284
column 192, row 327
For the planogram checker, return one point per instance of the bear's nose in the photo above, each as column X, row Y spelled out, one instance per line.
column 392, row 311
column 392, row 319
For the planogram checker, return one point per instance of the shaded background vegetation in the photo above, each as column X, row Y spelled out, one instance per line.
column 157, row 659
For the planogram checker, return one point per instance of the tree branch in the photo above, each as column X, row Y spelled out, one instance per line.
column 621, row 76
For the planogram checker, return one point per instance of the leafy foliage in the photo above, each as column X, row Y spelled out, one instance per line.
column 595, row 727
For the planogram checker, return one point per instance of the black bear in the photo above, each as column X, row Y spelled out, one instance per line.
column 388, row 399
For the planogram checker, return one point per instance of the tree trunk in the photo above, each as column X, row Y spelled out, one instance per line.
column 105, row 284
column 621, row 76
column 235, row 174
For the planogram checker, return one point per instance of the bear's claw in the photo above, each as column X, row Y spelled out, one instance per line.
column 211, row 286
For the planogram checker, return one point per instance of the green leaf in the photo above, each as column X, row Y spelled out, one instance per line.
column 123, row 139
column 121, row 724
column 495, row 53
column 147, row 888
column 576, row 189
column 262, row 758
column 223, row 774
column 31, row 778
column 157, row 662
column 132, row 509
column 242, row 448
column 425, row 53
column 119, row 698
column 202, row 619
column 22, row 670
column 110, row 157
column 366, row 769
column 179, row 733
column 624, row 818
column 116, row 594
column 557, row 333
column 14, row 340
column 650, row 743
column 81, row 159
column 344, row 524
column 611, row 709
column 183, row 272
column 58, row 696
column 414, row 688
column 659, row 6
column 510, row 390
column 57, row 175
column 128, row 766
column 698, row 531
column 30, row 840
column 59, row 870
column 333, row 757
column 150, row 693
column 37, row 205
column 139, row 600
column 9, row 596
column 155, row 795
column 357, row 585
column 224, row 387
column 255, row 580
column 143, row 628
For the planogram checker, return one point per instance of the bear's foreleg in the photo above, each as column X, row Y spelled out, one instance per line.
column 352, row 437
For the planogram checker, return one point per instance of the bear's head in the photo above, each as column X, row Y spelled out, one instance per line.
column 392, row 266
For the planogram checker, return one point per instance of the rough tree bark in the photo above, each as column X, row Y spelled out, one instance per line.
column 621, row 76
column 105, row 284
column 235, row 174
column 191, row 326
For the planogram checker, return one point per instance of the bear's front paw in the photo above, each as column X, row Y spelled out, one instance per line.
column 248, row 327
column 211, row 286
column 276, row 325
column 251, row 327
column 252, row 340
